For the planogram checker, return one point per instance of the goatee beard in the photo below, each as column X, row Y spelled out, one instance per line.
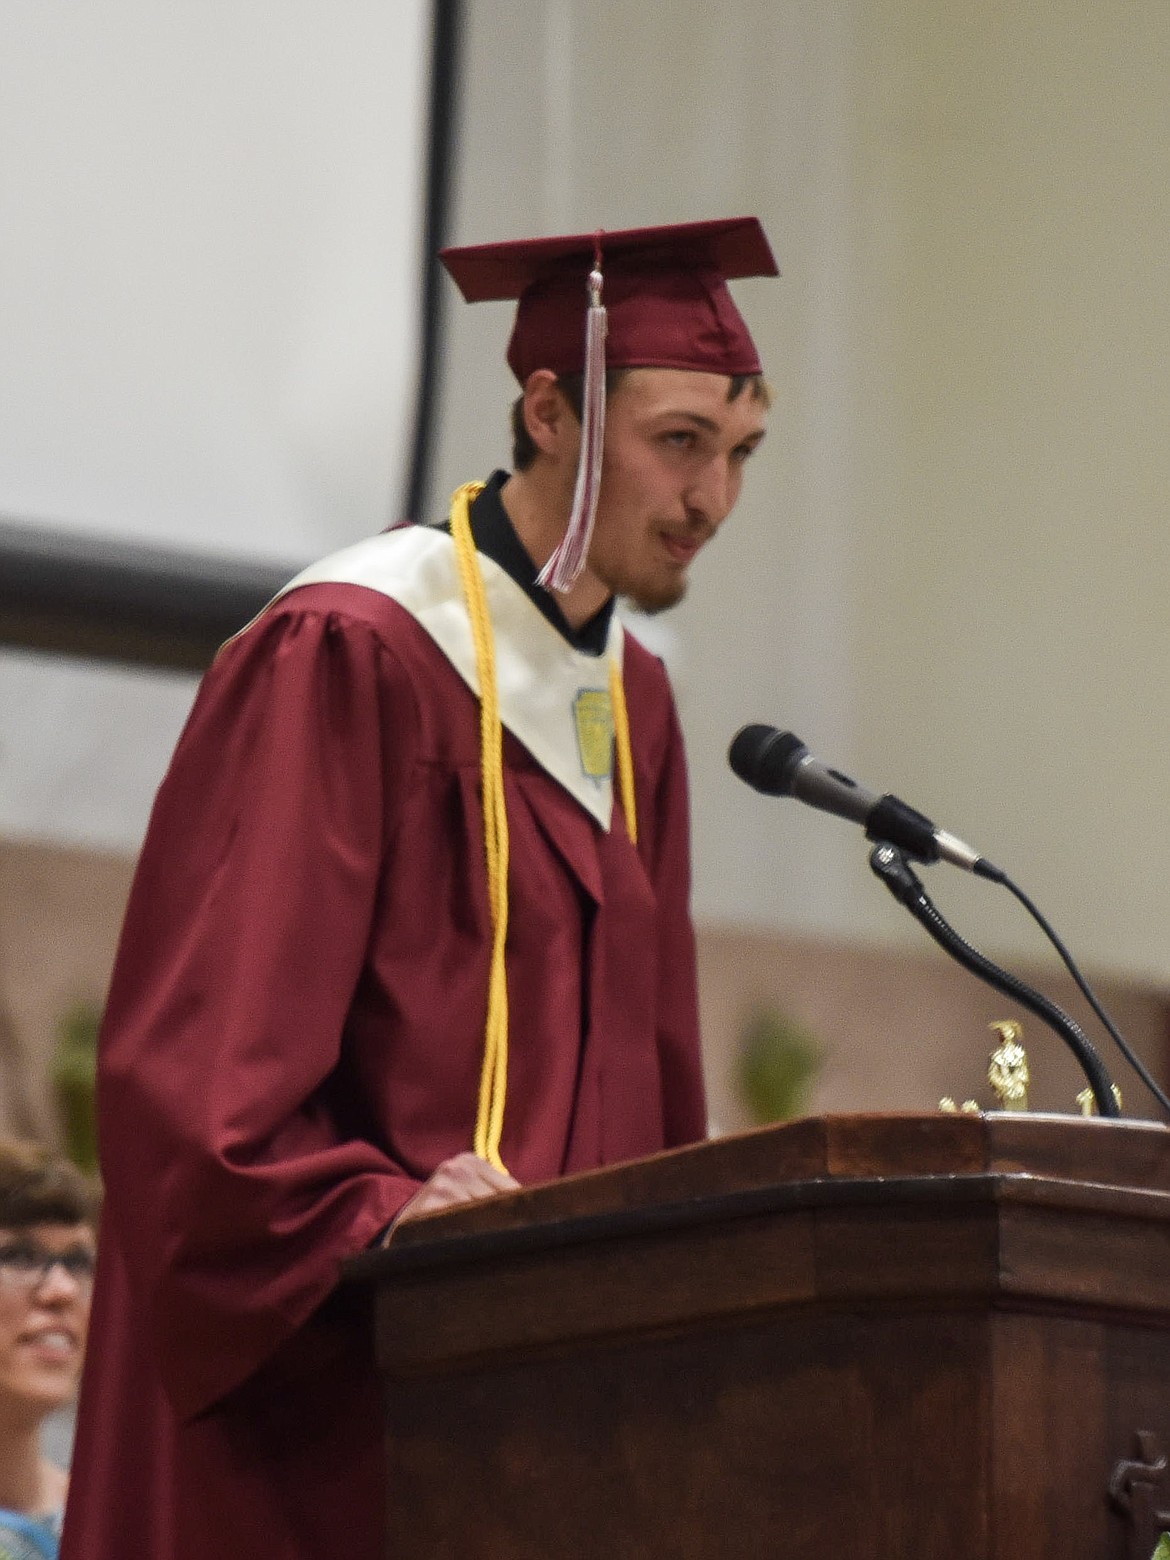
column 651, row 603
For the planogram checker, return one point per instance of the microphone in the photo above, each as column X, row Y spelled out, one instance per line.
column 778, row 764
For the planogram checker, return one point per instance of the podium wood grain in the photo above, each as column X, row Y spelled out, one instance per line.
column 863, row 1336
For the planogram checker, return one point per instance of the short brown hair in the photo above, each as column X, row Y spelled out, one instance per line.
column 37, row 1187
column 570, row 385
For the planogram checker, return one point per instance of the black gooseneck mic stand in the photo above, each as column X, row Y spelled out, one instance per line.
column 890, row 864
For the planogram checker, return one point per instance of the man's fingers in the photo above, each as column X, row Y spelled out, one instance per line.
column 473, row 1176
column 464, row 1178
column 486, row 1175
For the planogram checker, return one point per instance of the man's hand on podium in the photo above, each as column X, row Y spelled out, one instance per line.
column 462, row 1179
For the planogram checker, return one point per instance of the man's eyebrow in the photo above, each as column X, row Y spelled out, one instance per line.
column 707, row 424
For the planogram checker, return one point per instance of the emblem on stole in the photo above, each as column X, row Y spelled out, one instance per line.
column 593, row 718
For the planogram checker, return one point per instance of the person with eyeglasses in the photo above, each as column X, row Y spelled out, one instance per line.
column 48, row 1218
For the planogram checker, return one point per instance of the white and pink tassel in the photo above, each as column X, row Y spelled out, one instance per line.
column 561, row 571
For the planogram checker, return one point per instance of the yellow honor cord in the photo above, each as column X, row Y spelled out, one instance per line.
column 622, row 750
column 489, row 1121
column 493, row 1083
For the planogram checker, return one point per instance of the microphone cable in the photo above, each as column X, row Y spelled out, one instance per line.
column 1087, row 991
column 890, row 864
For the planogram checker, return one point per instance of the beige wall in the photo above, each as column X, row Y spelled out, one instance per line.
column 60, row 911
column 896, row 1031
column 951, row 570
column 1013, row 560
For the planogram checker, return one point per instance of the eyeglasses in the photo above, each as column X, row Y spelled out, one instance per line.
column 24, row 1265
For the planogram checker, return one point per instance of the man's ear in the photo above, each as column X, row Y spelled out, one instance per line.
column 548, row 416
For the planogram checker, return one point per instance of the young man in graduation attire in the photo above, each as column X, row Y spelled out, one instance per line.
column 411, row 920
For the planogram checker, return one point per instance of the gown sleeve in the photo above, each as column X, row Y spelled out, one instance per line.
column 237, row 1172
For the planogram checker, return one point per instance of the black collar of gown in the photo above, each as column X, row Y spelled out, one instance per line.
column 495, row 537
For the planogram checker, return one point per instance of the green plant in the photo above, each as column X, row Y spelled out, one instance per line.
column 74, row 1076
column 777, row 1065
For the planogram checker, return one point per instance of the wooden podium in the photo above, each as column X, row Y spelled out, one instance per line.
column 890, row 1337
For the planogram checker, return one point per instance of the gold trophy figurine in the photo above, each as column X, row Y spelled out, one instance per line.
column 1007, row 1073
column 1007, row 1070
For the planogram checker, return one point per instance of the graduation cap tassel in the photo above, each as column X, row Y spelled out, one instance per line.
column 562, row 569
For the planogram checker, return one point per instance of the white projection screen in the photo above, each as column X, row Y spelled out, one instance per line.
column 211, row 246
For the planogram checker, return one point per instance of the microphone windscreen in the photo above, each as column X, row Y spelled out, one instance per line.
column 766, row 758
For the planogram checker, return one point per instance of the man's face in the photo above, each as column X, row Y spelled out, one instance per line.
column 675, row 450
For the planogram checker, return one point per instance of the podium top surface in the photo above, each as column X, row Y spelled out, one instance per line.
column 988, row 1211
column 1106, row 1164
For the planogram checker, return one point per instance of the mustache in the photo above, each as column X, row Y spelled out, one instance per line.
column 694, row 530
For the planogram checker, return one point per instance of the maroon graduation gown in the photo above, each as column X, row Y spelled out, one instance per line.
column 293, row 1042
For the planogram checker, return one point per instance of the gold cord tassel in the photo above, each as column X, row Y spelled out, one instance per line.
column 621, row 743
column 493, row 1083
column 489, row 1121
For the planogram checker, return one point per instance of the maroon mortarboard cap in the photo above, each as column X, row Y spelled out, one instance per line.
column 664, row 291
column 642, row 298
